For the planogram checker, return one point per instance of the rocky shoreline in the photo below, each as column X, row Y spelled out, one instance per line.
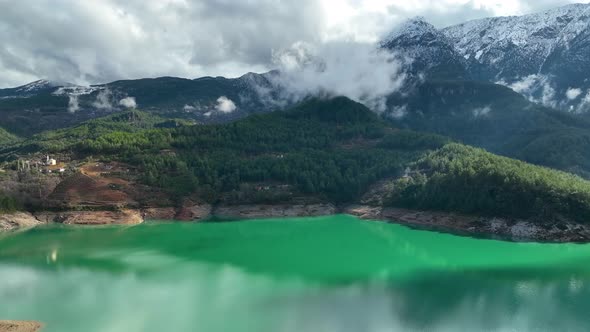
column 19, row 326
column 498, row 228
column 495, row 228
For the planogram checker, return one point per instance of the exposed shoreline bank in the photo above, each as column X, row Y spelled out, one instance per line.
column 496, row 228
column 19, row 326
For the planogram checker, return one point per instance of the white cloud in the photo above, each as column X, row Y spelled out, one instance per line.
column 573, row 93
column 103, row 100
column 225, row 105
column 585, row 103
column 536, row 88
column 355, row 70
column 191, row 38
column 128, row 102
column 189, row 108
column 398, row 112
column 73, row 104
column 482, row 111
column 525, row 85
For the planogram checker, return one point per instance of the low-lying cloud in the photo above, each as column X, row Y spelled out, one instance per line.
column 225, row 105
column 573, row 93
column 536, row 88
column 359, row 71
column 103, row 100
column 128, row 102
column 73, row 103
column 482, row 111
column 398, row 112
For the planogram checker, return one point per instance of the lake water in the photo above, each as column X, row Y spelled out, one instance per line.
column 291, row 275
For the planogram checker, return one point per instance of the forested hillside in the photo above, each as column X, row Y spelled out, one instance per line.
column 327, row 150
column 334, row 149
column 6, row 137
column 64, row 139
column 497, row 119
column 470, row 180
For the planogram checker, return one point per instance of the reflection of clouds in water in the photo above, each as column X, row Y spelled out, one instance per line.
column 52, row 256
column 151, row 278
column 197, row 297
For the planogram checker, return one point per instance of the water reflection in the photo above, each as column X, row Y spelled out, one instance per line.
column 225, row 298
column 325, row 275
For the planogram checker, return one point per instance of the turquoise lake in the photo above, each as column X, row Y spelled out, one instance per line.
column 333, row 273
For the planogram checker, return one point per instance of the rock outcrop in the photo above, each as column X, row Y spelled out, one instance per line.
column 273, row 211
column 500, row 228
column 123, row 217
column 17, row 220
column 19, row 326
column 194, row 212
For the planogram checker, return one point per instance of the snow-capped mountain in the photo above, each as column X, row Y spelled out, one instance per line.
column 31, row 89
column 511, row 46
column 45, row 105
column 426, row 48
column 543, row 56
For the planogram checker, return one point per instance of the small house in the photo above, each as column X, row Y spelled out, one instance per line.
column 50, row 161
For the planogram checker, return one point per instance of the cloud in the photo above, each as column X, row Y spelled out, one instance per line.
column 128, row 102
column 524, row 86
column 573, row 93
column 482, row 111
column 584, row 103
column 103, row 100
column 536, row 88
column 189, row 108
column 191, row 38
column 225, row 105
column 135, row 38
column 73, row 104
column 398, row 112
column 358, row 71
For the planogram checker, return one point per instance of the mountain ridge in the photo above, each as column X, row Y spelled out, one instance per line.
column 540, row 55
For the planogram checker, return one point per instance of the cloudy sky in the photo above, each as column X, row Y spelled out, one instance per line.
column 98, row 41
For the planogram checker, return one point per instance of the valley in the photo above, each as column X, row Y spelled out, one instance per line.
column 320, row 158
column 294, row 166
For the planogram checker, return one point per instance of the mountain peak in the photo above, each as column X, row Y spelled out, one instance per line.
column 413, row 28
column 36, row 85
column 431, row 52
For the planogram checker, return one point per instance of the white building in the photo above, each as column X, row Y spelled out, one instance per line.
column 50, row 161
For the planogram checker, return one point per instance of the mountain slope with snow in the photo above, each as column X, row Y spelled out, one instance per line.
column 426, row 48
column 544, row 56
column 510, row 47
column 31, row 89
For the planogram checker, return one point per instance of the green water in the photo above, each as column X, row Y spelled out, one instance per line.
column 291, row 275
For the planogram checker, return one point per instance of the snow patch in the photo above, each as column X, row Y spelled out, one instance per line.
column 478, row 54
column 77, row 90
